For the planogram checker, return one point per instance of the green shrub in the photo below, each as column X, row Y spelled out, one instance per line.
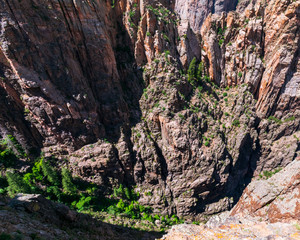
column 35, row 175
column 5, row 236
column 119, row 192
column 112, row 3
column 7, row 158
column 83, row 203
column 272, row 118
column 91, row 189
column 236, row 123
column 148, row 217
column 28, row 178
column 7, row 155
column 166, row 38
column 127, row 193
column 290, row 119
column 54, row 193
column 3, row 184
column 221, row 41
column 121, row 205
column 37, row 170
column 167, row 53
column 16, row 184
column 131, row 209
column 268, row 174
column 12, row 143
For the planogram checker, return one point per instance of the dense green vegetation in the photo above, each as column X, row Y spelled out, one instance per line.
column 43, row 177
column 10, row 151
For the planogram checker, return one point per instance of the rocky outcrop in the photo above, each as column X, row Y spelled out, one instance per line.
column 279, row 143
column 48, row 210
column 34, row 217
column 98, row 162
column 189, row 147
column 268, row 209
column 275, row 199
column 235, row 230
column 195, row 12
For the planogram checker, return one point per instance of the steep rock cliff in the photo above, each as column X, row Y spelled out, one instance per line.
column 60, row 64
column 269, row 208
column 259, row 47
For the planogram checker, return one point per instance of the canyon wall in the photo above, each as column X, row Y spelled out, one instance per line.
column 104, row 84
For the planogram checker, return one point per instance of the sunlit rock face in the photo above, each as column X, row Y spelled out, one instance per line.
column 196, row 11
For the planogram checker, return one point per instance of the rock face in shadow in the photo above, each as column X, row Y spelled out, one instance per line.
column 105, row 86
column 59, row 64
column 30, row 216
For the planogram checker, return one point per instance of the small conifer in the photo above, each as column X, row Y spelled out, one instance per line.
column 50, row 173
column 67, row 182
column 16, row 184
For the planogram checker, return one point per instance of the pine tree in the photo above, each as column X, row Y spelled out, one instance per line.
column 16, row 184
column 127, row 193
column 200, row 71
column 67, row 183
column 192, row 71
column 50, row 173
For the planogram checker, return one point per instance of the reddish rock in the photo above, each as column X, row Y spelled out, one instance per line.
column 276, row 199
column 234, row 231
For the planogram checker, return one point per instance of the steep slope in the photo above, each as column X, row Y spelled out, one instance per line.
column 268, row 209
column 259, row 47
column 104, row 84
column 60, row 64
column 34, row 217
